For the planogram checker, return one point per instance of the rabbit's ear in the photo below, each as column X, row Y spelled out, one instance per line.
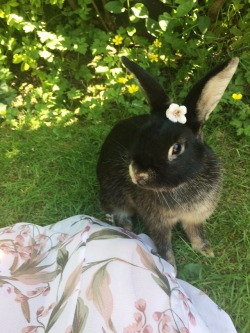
column 156, row 96
column 206, row 94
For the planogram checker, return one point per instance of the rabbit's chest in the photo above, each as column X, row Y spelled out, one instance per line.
column 173, row 208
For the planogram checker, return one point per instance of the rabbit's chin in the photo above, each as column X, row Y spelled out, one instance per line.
column 148, row 181
column 158, row 188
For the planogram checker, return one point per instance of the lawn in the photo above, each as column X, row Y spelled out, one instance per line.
column 48, row 174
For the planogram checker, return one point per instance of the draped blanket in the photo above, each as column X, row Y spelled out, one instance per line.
column 83, row 275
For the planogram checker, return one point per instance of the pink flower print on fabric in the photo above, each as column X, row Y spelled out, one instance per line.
column 23, row 251
column 42, row 241
column 140, row 324
column 157, row 316
column 85, row 233
column 137, row 325
column 30, row 329
column 25, row 230
column 140, row 305
column 184, row 330
column 43, row 312
column 20, row 298
column 6, row 289
column 164, row 321
column 7, row 230
column 184, row 300
column 138, row 317
column 191, row 318
column 5, row 248
column 38, row 291
column 147, row 329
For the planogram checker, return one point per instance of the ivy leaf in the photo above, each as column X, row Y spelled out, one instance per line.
column 131, row 31
column 152, row 26
column 164, row 21
column 184, row 8
column 114, row 7
column 203, row 23
column 140, row 10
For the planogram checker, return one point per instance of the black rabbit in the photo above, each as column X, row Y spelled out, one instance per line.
column 157, row 165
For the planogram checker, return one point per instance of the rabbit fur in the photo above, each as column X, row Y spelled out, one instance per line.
column 163, row 171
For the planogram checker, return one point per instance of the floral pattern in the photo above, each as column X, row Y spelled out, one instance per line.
column 82, row 275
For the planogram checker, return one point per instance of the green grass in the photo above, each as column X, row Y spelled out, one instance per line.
column 48, row 174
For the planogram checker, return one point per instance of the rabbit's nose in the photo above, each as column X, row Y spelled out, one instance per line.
column 142, row 178
column 137, row 177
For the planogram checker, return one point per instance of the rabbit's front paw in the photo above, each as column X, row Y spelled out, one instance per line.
column 204, row 248
column 123, row 220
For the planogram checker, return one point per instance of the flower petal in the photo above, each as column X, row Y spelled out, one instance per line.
column 183, row 109
column 172, row 118
column 182, row 119
column 173, row 107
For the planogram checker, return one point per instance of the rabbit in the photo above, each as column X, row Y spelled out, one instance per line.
column 158, row 167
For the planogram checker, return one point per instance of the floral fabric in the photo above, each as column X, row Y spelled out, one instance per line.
column 82, row 275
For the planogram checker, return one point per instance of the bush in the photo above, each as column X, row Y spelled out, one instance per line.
column 60, row 60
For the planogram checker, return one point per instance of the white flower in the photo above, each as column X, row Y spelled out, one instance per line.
column 176, row 113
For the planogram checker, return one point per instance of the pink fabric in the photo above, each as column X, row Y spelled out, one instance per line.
column 82, row 275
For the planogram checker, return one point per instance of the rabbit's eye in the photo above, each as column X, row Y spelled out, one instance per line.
column 175, row 150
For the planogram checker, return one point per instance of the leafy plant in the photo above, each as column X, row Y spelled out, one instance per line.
column 60, row 59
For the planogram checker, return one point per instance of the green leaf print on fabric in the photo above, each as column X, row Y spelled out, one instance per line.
column 26, row 310
column 149, row 263
column 36, row 278
column 62, row 258
column 80, row 318
column 69, row 289
column 107, row 234
column 56, row 313
column 100, row 293
column 162, row 283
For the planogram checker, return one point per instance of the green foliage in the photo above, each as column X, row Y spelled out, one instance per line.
column 60, row 60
